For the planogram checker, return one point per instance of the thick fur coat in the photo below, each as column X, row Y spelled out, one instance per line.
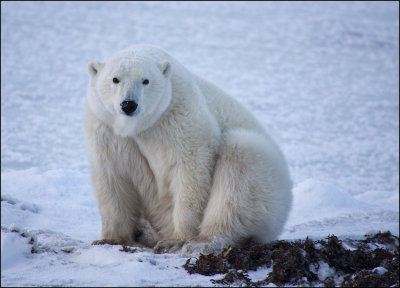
column 190, row 169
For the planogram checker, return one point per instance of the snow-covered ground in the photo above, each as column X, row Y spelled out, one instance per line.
column 322, row 77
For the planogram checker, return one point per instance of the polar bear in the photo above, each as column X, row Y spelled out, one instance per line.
column 176, row 163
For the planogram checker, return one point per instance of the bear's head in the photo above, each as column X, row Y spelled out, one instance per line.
column 131, row 90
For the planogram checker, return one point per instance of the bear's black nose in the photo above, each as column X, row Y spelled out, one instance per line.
column 128, row 107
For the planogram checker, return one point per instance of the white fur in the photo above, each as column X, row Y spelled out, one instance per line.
column 191, row 166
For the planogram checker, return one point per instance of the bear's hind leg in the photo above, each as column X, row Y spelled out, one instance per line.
column 250, row 196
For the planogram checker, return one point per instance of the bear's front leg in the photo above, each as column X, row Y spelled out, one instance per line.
column 118, row 206
column 190, row 188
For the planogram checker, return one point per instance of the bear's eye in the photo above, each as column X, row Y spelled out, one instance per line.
column 145, row 82
column 115, row 80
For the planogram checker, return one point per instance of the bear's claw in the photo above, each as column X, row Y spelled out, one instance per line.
column 168, row 246
column 117, row 242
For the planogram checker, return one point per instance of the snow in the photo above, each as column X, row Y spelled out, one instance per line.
column 380, row 270
column 17, row 250
column 321, row 77
column 323, row 270
column 260, row 274
column 333, row 210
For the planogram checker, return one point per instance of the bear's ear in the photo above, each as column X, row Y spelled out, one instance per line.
column 94, row 67
column 165, row 68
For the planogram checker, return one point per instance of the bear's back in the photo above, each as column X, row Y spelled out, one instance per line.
column 229, row 113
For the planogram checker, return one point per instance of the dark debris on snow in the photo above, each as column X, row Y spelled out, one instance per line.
column 371, row 262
